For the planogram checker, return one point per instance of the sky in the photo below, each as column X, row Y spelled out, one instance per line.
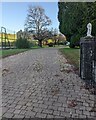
column 14, row 14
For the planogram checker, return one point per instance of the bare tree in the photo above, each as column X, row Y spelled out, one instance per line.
column 37, row 22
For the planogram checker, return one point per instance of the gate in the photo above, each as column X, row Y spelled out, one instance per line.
column 7, row 38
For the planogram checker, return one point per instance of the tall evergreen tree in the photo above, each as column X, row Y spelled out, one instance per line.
column 74, row 17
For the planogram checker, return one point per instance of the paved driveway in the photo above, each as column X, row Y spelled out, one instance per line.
column 40, row 83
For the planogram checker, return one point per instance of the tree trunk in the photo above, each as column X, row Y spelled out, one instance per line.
column 58, row 42
column 40, row 43
column 54, row 43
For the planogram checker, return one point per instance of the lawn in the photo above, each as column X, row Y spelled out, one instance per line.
column 72, row 55
column 9, row 52
column 5, row 53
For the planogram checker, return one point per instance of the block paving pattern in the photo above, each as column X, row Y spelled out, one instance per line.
column 41, row 84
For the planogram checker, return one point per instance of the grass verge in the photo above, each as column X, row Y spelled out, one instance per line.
column 9, row 52
column 6, row 53
column 72, row 55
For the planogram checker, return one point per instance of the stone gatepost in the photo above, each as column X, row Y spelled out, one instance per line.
column 88, row 58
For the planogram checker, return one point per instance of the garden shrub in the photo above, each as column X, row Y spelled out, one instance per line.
column 50, row 44
column 22, row 43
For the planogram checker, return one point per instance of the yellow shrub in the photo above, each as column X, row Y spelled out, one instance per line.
column 50, row 41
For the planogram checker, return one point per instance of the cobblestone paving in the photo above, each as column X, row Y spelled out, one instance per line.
column 41, row 84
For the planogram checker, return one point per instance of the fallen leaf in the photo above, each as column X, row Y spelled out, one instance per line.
column 57, row 75
column 61, row 80
column 93, row 109
column 92, row 91
column 90, row 88
column 55, row 91
column 66, row 70
column 72, row 103
column 4, row 71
